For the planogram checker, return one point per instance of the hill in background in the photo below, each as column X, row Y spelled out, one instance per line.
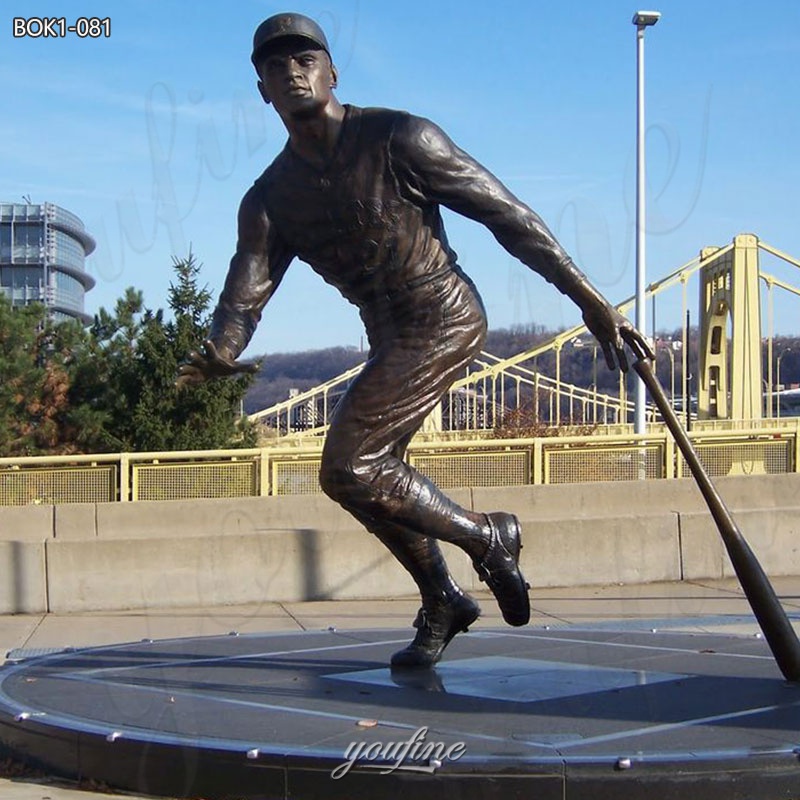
column 281, row 372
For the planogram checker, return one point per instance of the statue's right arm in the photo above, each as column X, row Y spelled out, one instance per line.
column 256, row 269
column 434, row 169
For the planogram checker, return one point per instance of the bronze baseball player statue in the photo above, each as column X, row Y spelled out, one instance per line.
column 356, row 193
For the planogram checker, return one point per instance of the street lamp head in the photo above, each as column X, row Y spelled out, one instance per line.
column 644, row 18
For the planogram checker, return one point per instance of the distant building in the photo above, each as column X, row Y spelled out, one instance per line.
column 43, row 249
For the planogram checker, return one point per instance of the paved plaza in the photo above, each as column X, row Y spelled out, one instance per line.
column 686, row 607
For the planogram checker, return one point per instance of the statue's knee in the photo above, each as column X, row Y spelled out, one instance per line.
column 336, row 479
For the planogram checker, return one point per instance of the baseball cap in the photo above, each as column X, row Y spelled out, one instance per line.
column 281, row 26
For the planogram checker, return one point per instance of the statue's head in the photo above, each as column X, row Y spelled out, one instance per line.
column 293, row 61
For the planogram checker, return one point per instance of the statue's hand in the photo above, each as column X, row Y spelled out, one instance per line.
column 208, row 365
column 613, row 331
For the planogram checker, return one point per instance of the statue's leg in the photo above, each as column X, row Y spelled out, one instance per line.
column 446, row 609
column 491, row 540
column 399, row 386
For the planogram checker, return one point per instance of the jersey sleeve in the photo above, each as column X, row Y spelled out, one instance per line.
column 432, row 169
column 255, row 271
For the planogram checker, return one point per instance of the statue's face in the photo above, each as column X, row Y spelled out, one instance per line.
column 296, row 78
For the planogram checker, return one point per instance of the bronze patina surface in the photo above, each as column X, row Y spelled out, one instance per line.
column 356, row 193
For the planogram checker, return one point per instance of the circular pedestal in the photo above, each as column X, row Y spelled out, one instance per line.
column 513, row 713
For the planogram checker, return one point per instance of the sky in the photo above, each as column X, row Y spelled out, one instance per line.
column 153, row 134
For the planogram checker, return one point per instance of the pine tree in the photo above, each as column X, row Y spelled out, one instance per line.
column 36, row 363
column 126, row 386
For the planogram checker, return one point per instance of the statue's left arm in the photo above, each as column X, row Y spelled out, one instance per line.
column 257, row 267
column 433, row 169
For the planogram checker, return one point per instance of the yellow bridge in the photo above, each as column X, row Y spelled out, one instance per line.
column 735, row 431
column 730, row 382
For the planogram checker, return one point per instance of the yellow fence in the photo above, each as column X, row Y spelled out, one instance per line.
column 56, row 483
column 292, row 469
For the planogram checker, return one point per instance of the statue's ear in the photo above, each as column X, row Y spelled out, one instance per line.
column 262, row 90
column 334, row 77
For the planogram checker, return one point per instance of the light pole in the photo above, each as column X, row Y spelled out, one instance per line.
column 642, row 20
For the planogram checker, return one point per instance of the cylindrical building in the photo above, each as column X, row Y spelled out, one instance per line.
column 43, row 250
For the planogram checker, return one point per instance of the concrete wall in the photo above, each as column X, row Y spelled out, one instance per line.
column 217, row 552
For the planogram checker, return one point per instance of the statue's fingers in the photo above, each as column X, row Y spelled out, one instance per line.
column 188, row 378
column 638, row 344
column 195, row 359
column 211, row 350
column 621, row 357
column 642, row 350
column 191, row 368
column 609, row 356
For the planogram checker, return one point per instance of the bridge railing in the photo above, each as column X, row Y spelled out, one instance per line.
column 292, row 467
column 479, row 401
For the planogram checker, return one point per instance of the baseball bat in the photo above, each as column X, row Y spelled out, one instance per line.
column 768, row 611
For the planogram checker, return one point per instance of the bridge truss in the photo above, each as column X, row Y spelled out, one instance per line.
column 516, row 393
